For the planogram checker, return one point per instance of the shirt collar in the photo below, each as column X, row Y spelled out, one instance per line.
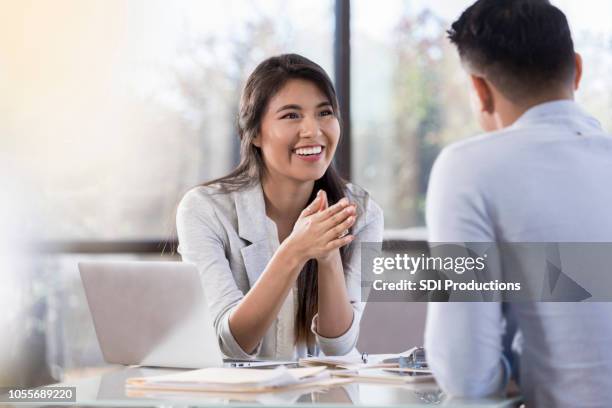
column 562, row 112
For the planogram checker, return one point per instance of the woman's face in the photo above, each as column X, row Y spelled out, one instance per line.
column 299, row 132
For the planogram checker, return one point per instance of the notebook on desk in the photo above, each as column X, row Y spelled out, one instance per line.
column 229, row 380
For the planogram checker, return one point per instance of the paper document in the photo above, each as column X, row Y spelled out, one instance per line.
column 234, row 379
column 277, row 396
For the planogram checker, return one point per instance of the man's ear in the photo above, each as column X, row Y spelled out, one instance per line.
column 578, row 73
column 483, row 91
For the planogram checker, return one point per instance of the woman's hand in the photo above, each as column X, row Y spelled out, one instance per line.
column 334, row 255
column 320, row 230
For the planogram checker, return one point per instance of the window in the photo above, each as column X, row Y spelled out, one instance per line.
column 117, row 108
column 410, row 95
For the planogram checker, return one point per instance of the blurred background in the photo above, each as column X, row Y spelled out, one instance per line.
column 111, row 110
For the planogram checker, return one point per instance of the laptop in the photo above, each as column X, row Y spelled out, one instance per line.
column 151, row 314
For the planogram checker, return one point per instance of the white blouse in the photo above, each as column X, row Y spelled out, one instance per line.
column 230, row 239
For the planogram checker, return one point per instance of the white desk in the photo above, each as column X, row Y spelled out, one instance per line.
column 108, row 390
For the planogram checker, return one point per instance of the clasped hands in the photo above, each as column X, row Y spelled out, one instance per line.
column 321, row 229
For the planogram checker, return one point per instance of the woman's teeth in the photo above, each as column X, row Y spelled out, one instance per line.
column 307, row 151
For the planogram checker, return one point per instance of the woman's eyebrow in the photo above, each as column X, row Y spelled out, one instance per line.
column 298, row 107
column 292, row 106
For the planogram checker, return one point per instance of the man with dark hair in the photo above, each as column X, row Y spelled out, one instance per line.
column 542, row 173
column 523, row 48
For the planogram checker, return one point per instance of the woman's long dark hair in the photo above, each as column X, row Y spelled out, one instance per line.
column 265, row 81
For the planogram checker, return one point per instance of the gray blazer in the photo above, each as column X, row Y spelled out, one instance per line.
column 230, row 239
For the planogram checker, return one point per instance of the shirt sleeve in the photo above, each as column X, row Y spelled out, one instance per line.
column 200, row 242
column 463, row 341
column 371, row 230
column 464, row 349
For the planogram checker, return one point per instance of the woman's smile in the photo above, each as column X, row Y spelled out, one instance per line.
column 310, row 153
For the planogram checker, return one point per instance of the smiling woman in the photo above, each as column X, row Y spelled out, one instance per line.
column 300, row 138
column 277, row 240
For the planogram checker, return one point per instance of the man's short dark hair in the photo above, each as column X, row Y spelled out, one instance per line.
column 523, row 47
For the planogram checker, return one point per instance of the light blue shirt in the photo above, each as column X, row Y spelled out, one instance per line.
column 546, row 178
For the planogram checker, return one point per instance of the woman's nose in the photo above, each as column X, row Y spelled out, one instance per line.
column 309, row 127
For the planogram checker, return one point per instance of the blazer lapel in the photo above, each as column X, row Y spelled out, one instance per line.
column 256, row 256
column 255, row 227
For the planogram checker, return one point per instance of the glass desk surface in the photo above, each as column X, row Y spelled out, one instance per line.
column 108, row 390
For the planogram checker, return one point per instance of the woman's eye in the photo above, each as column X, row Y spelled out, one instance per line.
column 326, row 112
column 290, row 115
